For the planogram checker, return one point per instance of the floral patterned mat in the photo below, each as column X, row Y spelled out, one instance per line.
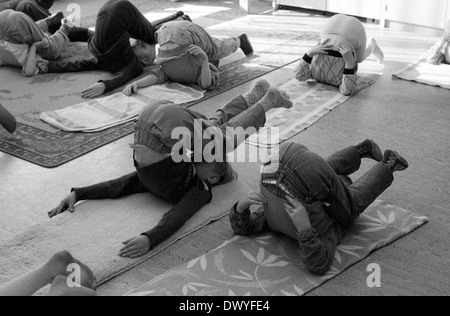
column 41, row 144
column 268, row 265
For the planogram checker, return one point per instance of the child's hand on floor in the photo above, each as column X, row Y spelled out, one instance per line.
column 253, row 198
column 135, row 247
column 94, row 91
column 298, row 214
column 130, row 89
column 67, row 204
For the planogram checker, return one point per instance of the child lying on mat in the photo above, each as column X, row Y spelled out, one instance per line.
column 117, row 22
column 54, row 272
column 313, row 200
column 28, row 45
column 440, row 52
column 189, row 55
column 185, row 183
column 7, row 121
column 335, row 60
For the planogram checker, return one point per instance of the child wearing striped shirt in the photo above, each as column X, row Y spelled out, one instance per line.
column 335, row 60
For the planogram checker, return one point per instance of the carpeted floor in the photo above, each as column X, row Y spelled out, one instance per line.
column 44, row 145
column 95, row 232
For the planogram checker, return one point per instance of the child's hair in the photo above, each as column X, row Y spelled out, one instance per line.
column 225, row 172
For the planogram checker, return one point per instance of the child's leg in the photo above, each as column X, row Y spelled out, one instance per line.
column 236, row 107
column 348, row 161
column 372, row 48
column 31, row 282
column 215, row 48
column 33, row 9
column 255, row 116
column 225, row 47
column 369, row 187
column 345, row 162
column 57, row 43
column 60, row 288
column 134, row 21
column 17, row 27
column 7, row 120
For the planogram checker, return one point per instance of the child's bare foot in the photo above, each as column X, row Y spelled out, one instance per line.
column 275, row 99
column 59, row 263
column 60, row 288
column 258, row 92
column 377, row 52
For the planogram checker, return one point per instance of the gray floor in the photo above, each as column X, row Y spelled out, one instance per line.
column 408, row 117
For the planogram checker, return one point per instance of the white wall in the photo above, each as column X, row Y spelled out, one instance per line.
column 423, row 13
column 364, row 8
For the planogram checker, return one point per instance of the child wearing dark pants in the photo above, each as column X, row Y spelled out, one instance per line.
column 117, row 22
column 185, row 183
column 313, row 200
column 35, row 9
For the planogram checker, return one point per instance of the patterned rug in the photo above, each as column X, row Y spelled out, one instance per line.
column 41, row 144
column 268, row 265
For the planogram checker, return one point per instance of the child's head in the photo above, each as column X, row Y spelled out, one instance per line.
column 215, row 173
column 145, row 52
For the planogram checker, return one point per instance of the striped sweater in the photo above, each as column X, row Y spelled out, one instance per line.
column 329, row 70
column 317, row 245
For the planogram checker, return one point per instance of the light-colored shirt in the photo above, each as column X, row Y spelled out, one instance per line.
column 16, row 55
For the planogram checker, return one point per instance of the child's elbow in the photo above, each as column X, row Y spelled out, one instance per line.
column 29, row 72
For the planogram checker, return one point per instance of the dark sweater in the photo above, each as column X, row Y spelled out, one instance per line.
column 168, row 180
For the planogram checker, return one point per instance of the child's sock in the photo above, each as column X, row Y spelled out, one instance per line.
column 275, row 99
column 258, row 92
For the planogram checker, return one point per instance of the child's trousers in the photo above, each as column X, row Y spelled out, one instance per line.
column 18, row 28
column 310, row 178
column 181, row 33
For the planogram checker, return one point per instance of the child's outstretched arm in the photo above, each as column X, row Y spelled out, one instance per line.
column 148, row 81
column 124, row 186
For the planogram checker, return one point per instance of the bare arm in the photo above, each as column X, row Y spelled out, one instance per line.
column 30, row 69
